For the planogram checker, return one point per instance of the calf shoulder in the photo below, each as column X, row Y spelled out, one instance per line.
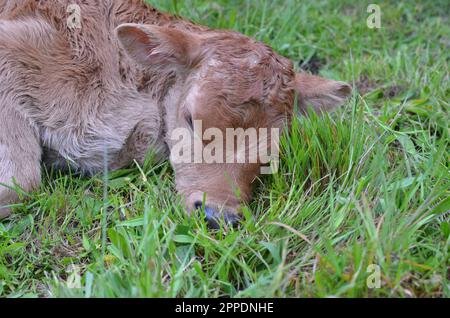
column 76, row 85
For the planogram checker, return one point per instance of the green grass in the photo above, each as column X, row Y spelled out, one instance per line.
column 368, row 184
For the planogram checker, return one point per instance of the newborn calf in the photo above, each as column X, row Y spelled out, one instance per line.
column 120, row 77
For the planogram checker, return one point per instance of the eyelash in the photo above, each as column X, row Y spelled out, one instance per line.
column 189, row 121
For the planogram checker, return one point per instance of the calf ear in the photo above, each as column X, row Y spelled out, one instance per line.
column 155, row 45
column 320, row 93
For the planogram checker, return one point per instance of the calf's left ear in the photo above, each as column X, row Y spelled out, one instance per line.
column 320, row 93
column 156, row 45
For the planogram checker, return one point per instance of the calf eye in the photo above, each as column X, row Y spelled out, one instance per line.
column 189, row 121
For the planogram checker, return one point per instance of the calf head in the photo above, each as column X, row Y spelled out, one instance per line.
column 226, row 88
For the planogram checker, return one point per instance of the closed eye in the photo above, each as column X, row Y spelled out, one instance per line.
column 189, row 121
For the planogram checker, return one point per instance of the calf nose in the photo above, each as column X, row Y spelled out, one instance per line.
column 213, row 216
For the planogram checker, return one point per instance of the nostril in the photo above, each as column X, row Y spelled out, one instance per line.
column 198, row 205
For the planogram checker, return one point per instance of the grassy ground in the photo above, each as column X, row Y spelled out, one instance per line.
column 366, row 185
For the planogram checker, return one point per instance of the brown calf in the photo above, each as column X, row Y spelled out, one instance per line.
column 125, row 79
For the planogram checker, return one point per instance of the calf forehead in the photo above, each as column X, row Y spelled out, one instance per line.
column 236, row 80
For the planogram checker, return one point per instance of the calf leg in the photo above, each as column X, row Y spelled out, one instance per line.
column 20, row 156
